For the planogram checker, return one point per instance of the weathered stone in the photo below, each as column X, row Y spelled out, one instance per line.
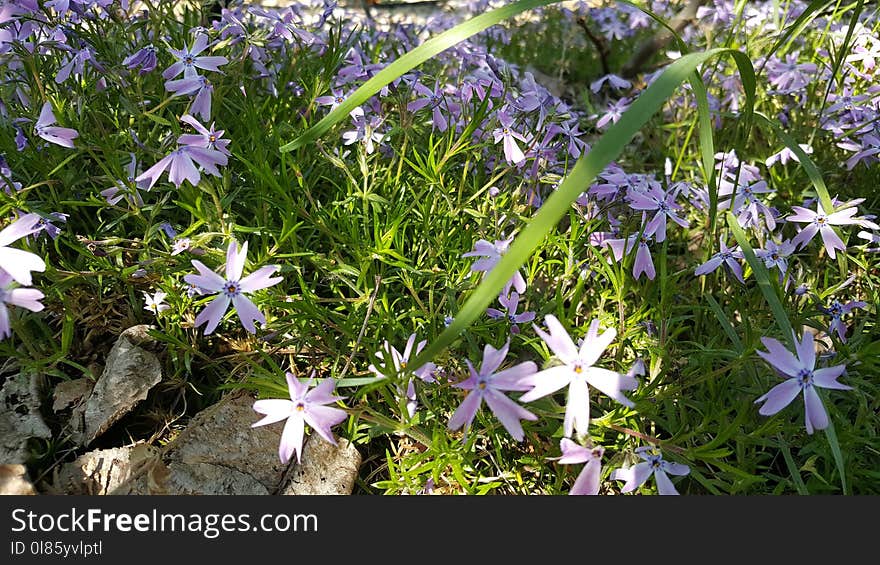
column 20, row 417
column 69, row 393
column 14, row 480
column 103, row 471
column 325, row 468
column 218, row 453
column 131, row 371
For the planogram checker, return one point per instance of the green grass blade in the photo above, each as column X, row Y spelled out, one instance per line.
column 763, row 278
column 409, row 61
column 792, row 468
column 725, row 323
column 831, row 434
column 806, row 163
column 810, row 13
column 605, row 150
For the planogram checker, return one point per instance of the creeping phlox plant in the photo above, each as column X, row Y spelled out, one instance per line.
column 721, row 266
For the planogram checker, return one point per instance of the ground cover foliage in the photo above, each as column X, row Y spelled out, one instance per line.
column 701, row 319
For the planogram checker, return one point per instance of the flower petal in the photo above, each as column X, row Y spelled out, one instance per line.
column 19, row 264
column 779, row 397
column 806, row 351
column 592, row 349
column 664, row 484
column 292, row 438
column 466, row 411
column 213, row 313
column 577, row 408
column 815, row 415
column 322, row 418
column 247, row 312
column 21, row 227
column 546, row 382
column 779, row 357
column 827, row 378
column 275, row 410
column 260, row 279
column 558, row 340
column 587, row 482
column 611, row 383
column 508, row 412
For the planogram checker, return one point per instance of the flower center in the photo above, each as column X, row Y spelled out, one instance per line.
column 820, row 220
column 805, row 377
column 403, row 364
column 188, row 60
column 231, row 288
column 212, row 138
column 481, row 384
column 299, row 406
column 578, row 368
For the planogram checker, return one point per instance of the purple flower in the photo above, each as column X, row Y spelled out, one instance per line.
column 512, row 153
column 615, row 81
column 727, row 257
column 643, row 262
column 188, row 60
column 837, row 311
column 614, row 112
column 786, row 155
column 75, row 65
column 774, row 255
column 365, row 132
column 304, row 407
column 396, row 363
column 18, row 263
column 155, row 303
column 209, row 138
column 181, row 166
column 145, row 58
column 44, row 224
column 511, row 303
column 334, row 99
column 489, row 384
column 821, row 222
column 491, row 253
column 653, row 464
column 53, row 134
column 201, row 86
column 655, row 199
column 433, row 100
column 232, row 289
column 587, row 481
column 790, row 76
column 28, row 298
column 802, row 375
column 577, row 371
column 6, row 183
column 128, row 188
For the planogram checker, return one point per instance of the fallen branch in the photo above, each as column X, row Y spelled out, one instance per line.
column 660, row 40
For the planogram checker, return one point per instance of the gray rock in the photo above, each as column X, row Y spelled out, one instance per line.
column 325, row 468
column 69, row 393
column 102, row 471
column 131, row 371
column 218, row 453
column 14, row 481
column 20, row 417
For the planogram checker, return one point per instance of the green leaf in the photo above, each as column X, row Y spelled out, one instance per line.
column 831, row 434
column 763, row 278
column 605, row 150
